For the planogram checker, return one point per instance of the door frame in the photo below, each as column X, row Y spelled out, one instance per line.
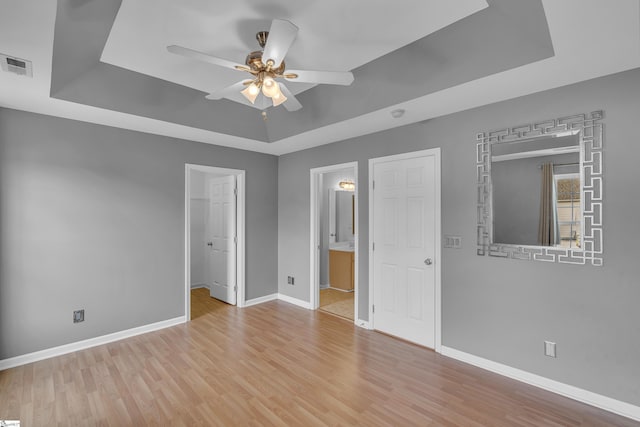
column 435, row 152
column 314, row 239
column 240, row 231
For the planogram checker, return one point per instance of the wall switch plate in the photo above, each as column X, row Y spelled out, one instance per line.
column 290, row 280
column 78, row 316
column 453, row 242
column 550, row 349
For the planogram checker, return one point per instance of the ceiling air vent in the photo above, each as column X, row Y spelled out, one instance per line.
column 14, row 65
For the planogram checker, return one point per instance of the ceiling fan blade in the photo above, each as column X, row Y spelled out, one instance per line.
column 194, row 54
column 344, row 78
column 291, row 104
column 281, row 35
column 224, row 92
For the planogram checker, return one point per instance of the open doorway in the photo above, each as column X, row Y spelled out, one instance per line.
column 334, row 243
column 214, row 238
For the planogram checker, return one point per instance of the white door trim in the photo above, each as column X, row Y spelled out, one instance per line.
column 240, row 231
column 314, row 239
column 435, row 152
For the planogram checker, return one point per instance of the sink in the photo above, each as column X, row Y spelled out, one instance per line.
column 342, row 246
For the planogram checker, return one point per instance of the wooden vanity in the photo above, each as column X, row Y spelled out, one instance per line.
column 341, row 269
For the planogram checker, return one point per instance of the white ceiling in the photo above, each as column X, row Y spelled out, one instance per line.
column 328, row 40
column 591, row 38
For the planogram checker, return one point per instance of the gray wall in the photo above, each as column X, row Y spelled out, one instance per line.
column 93, row 217
column 501, row 309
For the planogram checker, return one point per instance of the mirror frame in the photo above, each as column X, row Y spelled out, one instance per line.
column 590, row 130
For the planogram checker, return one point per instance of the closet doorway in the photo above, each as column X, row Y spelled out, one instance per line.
column 214, row 238
column 334, row 242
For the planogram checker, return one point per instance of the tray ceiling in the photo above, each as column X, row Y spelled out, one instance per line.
column 105, row 61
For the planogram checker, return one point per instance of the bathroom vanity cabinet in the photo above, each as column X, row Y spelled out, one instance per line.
column 341, row 269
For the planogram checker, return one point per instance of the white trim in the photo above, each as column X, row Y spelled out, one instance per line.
column 240, row 231
column 370, row 248
column 295, row 301
column 536, row 153
column 260, row 300
column 590, row 398
column 438, row 255
column 363, row 324
column 240, row 234
column 12, row 362
column 199, row 286
column 435, row 152
column 314, row 237
column 187, row 243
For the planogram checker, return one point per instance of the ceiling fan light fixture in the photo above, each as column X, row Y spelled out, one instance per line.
column 265, row 66
column 251, row 92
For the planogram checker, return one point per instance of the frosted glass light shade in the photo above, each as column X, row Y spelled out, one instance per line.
column 251, row 92
column 278, row 99
column 270, row 87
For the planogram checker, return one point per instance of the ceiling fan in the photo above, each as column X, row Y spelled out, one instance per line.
column 266, row 66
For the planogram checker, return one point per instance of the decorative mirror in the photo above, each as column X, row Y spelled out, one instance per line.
column 540, row 190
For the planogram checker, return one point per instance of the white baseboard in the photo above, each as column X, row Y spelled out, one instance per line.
column 599, row 401
column 295, row 301
column 199, row 285
column 260, row 300
column 12, row 362
column 363, row 324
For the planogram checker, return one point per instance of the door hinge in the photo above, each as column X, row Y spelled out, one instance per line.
column 373, row 308
column 373, row 185
column 235, row 240
column 235, row 288
column 235, row 191
column 373, row 246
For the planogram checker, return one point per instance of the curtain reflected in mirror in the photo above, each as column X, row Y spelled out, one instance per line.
column 548, row 224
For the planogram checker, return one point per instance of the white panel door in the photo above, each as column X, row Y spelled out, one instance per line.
column 221, row 242
column 404, row 232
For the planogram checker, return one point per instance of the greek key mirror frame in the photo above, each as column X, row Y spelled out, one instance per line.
column 590, row 130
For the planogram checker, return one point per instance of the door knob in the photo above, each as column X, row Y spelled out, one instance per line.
column 428, row 261
column 209, row 243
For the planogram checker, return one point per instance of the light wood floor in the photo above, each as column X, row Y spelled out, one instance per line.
column 337, row 302
column 274, row 364
column 202, row 303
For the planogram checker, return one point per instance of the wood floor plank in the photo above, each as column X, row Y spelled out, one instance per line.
column 274, row 364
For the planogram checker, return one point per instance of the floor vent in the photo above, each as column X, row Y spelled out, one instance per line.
column 14, row 65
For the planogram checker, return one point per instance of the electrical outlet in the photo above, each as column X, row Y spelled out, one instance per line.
column 550, row 349
column 290, row 280
column 78, row 316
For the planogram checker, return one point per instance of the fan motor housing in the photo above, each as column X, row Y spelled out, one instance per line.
column 254, row 61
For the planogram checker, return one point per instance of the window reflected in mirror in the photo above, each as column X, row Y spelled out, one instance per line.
column 568, row 210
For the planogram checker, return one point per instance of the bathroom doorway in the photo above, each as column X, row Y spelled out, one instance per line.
column 334, row 242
